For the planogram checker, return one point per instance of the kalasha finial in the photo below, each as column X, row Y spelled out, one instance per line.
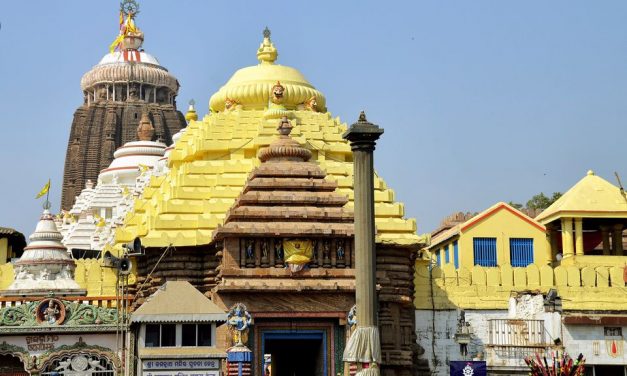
column 285, row 126
column 362, row 117
column 192, row 102
column 266, row 53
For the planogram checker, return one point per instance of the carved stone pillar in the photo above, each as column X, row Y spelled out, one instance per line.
column 364, row 345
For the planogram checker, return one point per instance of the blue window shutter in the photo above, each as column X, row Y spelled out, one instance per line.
column 521, row 251
column 456, row 254
column 439, row 258
column 446, row 255
column 484, row 251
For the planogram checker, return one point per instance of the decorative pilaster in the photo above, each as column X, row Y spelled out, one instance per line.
column 364, row 346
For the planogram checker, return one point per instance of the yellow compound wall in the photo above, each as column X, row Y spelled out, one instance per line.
column 581, row 288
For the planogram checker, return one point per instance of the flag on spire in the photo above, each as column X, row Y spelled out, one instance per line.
column 44, row 190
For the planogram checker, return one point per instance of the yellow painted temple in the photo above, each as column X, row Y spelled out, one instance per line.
column 211, row 161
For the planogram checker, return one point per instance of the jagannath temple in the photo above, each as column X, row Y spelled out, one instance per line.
column 217, row 246
column 257, row 240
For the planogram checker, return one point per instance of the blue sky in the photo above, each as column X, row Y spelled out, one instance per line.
column 481, row 101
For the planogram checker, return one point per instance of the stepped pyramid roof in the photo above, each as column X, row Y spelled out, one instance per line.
column 592, row 196
column 288, row 196
column 210, row 163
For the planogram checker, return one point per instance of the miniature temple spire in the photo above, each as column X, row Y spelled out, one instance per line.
column 45, row 265
column 284, row 148
column 191, row 114
column 267, row 53
column 145, row 130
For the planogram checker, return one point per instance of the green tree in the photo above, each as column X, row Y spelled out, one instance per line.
column 541, row 201
column 515, row 205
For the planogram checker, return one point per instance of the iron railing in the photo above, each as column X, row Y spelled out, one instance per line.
column 517, row 333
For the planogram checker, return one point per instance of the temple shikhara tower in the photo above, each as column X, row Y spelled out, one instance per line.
column 126, row 82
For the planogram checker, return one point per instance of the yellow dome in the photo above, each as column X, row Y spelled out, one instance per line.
column 251, row 87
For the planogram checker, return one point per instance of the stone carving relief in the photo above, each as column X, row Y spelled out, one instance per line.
column 52, row 311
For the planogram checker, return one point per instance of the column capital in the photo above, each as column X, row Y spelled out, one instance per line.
column 363, row 134
column 618, row 226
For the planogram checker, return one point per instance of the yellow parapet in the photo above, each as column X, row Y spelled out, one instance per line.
column 598, row 288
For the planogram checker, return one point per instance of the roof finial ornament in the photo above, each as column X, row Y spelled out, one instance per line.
column 130, row 37
column 191, row 112
column 285, row 126
column 267, row 53
column 362, row 117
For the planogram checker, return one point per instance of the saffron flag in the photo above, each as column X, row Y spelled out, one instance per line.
column 468, row 368
column 44, row 190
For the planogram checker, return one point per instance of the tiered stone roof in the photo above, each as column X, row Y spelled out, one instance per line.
column 288, row 196
column 210, row 164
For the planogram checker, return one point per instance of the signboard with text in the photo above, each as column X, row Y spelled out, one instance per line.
column 181, row 367
column 197, row 372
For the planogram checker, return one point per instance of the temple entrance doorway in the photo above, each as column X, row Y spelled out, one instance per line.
column 11, row 366
column 295, row 353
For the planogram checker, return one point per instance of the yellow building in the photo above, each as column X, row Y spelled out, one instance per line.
column 572, row 297
column 500, row 235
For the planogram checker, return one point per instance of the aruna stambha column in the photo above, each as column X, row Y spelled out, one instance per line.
column 364, row 347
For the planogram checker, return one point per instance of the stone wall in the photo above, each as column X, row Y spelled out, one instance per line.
column 99, row 129
column 435, row 332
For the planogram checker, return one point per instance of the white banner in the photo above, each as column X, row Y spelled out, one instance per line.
column 171, row 364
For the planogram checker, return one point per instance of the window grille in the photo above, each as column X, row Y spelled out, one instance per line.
column 439, row 258
column 456, row 254
column 521, row 251
column 446, row 255
column 484, row 251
